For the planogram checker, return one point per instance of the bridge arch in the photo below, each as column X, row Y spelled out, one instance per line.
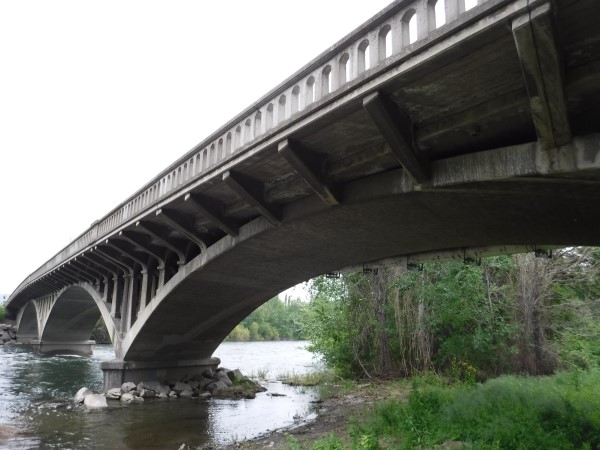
column 27, row 324
column 71, row 319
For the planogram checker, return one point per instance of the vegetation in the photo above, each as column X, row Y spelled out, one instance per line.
column 2, row 312
column 273, row 320
column 518, row 314
column 558, row 412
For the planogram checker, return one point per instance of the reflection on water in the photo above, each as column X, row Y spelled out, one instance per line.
column 35, row 395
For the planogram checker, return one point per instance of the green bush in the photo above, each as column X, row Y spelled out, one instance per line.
column 558, row 412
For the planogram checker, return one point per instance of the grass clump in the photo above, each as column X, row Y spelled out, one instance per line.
column 308, row 379
column 557, row 412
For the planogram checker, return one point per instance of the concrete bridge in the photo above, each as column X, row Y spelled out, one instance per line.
column 474, row 137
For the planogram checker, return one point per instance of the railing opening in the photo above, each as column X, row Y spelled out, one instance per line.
column 228, row 148
column 238, row 138
column 281, row 109
column 247, row 132
column 363, row 56
column 269, row 118
column 409, row 28
column 257, row 124
column 436, row 10
column 344, row 69
column 295, row 98
column 326, row 81
column 385, row 43
column 220, row 149
column 470, row 4
column 310, row 91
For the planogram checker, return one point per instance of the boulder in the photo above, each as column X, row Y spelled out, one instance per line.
column 205, row 395
column 114, row 394
column 235, row 375
column 172, row 394
column 204, row 382
column 208, row 373
column 222, row 376
column 188, row 393
column 127, row 397
column 95, row 401
column 81, row 394
column 147, row 393
column 216, row 386
column 12, row 333
column 162, row 395
column 180, row 387
column 128, row 387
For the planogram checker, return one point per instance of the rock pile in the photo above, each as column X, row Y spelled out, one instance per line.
column 8, row 333
column 222, row 383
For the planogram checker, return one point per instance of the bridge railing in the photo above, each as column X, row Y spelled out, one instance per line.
column 390, row 32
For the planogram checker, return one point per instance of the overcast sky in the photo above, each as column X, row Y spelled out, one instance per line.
column 97, row 97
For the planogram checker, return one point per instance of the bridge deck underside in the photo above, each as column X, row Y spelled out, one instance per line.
column 464, row 94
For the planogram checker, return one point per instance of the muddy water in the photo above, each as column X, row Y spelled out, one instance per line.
column 35, row 411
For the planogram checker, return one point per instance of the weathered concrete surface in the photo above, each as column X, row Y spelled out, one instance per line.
column 482, row 133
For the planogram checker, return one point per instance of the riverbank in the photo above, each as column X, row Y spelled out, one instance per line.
column 340, row 405
column 558, row 411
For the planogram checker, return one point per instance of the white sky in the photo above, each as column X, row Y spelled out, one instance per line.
column 97, row 97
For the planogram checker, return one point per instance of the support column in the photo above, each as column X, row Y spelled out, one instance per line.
column 118, row 372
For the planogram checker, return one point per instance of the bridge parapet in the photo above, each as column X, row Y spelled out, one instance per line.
column 397, row 29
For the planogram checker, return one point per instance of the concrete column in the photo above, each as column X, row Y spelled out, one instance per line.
column 118, row 372
column 125, row 303
column 144, row 291
column 115, row 294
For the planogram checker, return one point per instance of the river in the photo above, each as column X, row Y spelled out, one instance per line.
column 36, row 412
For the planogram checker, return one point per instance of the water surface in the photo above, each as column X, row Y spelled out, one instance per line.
column 35, row 393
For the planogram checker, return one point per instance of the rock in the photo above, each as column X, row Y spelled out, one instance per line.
column 216, row 386
column 95, row 401
column 154, row 386
column 235, row 375
column 208, row 373
column 128, row 386
column 204, row 382
column 12, row 333
column 180, row 387
column 114, row 394
column 205, row 395
column 81, row 394
column 187, row 393
column 162, row 395
column 172, row 394
column 195, row 384
column 127, row 397
column 138, row 399
column 147, row 393
column 222, row 376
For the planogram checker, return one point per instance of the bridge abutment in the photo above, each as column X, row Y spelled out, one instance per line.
column 118, row 372
column 82, row 348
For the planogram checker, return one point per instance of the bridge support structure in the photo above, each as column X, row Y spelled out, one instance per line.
column 118, row 372
column 83, row 348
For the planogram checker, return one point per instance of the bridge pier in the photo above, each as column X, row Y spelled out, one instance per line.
column 118, row 372
column 83, row 348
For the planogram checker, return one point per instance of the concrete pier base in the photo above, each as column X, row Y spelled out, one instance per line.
column 83, row 348
column 118, row 372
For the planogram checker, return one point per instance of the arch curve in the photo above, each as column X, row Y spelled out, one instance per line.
column 27, row 324
column 75, row 312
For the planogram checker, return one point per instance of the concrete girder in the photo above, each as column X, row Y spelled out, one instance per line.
column 148, row 229
column 397, row 129
column 311, row 168
column 27, row 323
column 86, row 267
column 253, row 193
column 534, row 37
column 171, row 220
column 213, row 212
column 114, row 271
column 146, row 249
column 78, row 274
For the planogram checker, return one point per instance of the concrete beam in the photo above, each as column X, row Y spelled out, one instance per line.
column 126, row 236
column 155, row 234
column 311, row 168
column 213, row 212
column 253, row 193
column 83, row 276
column 171, row 220
column 533, row 33
column 396, row 128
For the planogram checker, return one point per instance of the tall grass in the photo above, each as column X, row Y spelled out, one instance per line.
column 557, row 412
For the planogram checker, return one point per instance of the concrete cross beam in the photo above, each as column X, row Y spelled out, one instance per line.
column 213, row 212
column 310, row 167
column 171, row 220
column 253, row 193
column 397, row 129
column 533, row 33
column 156, row 235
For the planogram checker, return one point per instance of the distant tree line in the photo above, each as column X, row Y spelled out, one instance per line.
column 511, row 314
column 274, row 320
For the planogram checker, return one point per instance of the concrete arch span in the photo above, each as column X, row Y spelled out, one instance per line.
column 27, row 324
column 199, row 306
column 66, row 323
